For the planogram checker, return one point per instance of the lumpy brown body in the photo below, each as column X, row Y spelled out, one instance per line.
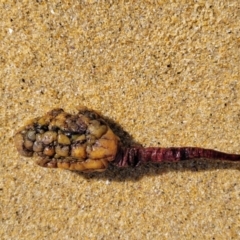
column 81, row 142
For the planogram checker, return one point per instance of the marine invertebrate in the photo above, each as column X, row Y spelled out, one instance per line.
column 85, row 142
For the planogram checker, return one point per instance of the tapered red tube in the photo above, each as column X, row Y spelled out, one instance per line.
column 135, row 156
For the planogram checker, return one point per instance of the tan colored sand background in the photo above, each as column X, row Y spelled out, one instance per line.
column 168, row 72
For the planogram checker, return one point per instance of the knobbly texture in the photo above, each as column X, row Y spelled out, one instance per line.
column 81, row 142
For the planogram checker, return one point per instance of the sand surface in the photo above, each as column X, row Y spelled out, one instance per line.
column 167, row 72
